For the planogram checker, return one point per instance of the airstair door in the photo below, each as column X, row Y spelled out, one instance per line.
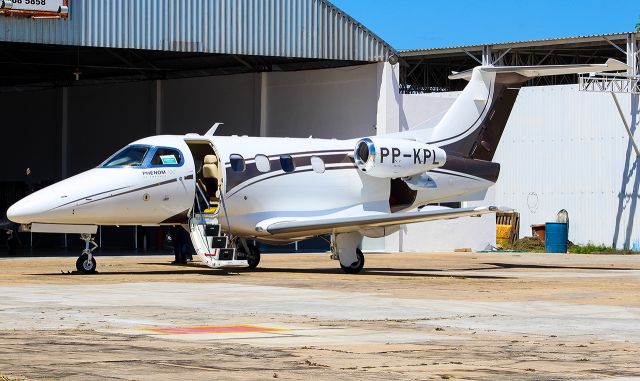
column 213, row 246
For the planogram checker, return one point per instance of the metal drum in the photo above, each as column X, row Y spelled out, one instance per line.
column 557, row 235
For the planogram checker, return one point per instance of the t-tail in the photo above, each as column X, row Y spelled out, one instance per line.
column 473, row 125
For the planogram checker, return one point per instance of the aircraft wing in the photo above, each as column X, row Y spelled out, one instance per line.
column 305, row 226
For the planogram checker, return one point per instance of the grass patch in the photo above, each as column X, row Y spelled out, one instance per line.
column 593, row 249
column 534, row 245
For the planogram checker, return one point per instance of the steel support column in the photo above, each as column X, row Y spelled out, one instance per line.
column 632, row 54
column 486, row 55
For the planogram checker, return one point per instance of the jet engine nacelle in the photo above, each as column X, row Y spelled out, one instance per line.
column 393, row 158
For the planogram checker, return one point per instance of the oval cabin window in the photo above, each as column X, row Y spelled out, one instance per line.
column 237, row 162
column 287, row 164
column 317, row 164
column 262, row 163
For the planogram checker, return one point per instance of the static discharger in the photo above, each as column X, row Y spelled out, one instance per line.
column 211, row 329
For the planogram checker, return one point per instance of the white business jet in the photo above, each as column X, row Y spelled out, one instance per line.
column 229, row 190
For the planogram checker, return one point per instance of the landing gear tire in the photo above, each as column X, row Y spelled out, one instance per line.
column 355, row 267
column 86, row 265
column 253, row 256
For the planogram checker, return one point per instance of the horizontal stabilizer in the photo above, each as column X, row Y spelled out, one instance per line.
column 544, row 70
column 328, row 225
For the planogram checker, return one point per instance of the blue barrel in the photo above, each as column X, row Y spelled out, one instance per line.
column 556, row 236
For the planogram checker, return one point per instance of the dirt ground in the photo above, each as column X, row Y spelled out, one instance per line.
column 481, row 316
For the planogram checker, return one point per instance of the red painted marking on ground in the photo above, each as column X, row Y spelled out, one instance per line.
column 212, row 329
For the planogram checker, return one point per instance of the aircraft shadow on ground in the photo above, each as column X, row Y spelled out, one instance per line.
column 194, row 269
column 391, row 272
column 379, row 271
column 375, row 271
column 558, row 267
column 153, row 272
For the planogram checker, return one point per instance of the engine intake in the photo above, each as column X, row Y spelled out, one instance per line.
column 393, row 158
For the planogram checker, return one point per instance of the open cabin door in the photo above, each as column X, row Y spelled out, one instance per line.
column 213, row 246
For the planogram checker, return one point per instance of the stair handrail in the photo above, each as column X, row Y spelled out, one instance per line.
column 201, row 218
column 224, row 207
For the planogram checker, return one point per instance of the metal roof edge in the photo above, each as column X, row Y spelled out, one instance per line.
column 516, row 44
column 359, row 24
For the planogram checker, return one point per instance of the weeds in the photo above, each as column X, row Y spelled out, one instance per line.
column 593, row 249
column 535, row 245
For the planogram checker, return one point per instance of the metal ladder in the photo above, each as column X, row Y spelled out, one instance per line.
column 210, row 243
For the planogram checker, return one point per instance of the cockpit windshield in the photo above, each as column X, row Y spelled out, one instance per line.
column 129, row 156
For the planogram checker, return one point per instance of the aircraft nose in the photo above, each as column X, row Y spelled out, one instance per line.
column 36, row 207
column 23, row 211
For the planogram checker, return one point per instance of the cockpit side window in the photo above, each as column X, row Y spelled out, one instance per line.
column 166, row 157
column 129, row 156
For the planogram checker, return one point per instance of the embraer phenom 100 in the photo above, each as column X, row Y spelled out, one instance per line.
column 229, row 190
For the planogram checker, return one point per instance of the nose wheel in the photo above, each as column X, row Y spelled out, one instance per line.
column 86, row 263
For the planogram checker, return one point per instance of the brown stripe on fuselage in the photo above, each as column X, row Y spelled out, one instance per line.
column 238, row 189
column 251, row 171
column 131, row 191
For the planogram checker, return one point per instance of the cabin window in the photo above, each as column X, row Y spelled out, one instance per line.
column 317, row 164
column 166, row 157
column 129, row 156
column 237, row 162
column 262, row 163
column 287, row 164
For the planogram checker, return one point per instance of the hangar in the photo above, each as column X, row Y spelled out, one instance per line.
column 76, row 87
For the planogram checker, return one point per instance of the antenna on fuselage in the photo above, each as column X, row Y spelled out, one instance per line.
column 213, row 128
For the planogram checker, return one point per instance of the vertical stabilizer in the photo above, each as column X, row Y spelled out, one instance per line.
column 474, row 124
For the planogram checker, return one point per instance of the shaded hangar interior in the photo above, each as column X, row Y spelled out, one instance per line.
column 75, row 90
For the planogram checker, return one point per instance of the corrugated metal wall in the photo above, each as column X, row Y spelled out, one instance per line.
column 566, row 149
column 287, row 28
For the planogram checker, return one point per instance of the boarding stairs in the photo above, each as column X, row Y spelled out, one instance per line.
column 213, row 247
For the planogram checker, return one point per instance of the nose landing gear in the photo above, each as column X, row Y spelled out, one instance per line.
column 86, row 263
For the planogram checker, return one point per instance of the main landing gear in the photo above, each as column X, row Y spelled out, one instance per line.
column 248, row 251
column 86, row 263
column 346, row 248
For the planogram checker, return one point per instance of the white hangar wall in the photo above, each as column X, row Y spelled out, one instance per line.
column 561, row 149
column 567, row 149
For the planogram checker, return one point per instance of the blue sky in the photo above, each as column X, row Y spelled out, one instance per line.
column 414, row 24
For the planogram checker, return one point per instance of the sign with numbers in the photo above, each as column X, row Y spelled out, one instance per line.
column 35, row 7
